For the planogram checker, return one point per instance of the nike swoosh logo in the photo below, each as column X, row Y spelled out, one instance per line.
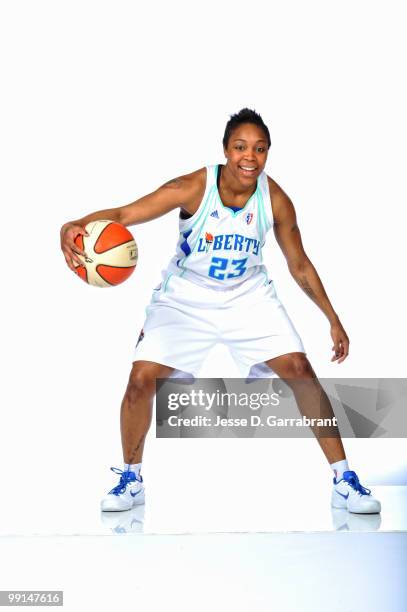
column 137, row 492
column 342, row 495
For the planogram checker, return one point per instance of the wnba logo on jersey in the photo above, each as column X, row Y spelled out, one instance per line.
column 249, row 218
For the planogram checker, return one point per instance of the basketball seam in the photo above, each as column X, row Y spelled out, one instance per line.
column 113, row 247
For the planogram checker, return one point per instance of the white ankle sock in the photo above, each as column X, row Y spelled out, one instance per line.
column 133, row 467
column 339, row 468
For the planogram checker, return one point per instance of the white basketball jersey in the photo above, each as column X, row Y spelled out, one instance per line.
column 219, row 247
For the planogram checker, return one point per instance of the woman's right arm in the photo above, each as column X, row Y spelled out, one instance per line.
column 181, row 191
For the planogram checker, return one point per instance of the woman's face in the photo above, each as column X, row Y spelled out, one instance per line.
column 246, row 153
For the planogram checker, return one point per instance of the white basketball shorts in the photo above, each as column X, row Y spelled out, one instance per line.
column 185, row 320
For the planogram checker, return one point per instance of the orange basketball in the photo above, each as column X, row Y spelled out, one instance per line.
column 111, row 254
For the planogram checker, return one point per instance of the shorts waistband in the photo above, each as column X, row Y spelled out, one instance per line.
column 258, row 278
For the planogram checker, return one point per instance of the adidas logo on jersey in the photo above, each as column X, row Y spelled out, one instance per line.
column 215, row 214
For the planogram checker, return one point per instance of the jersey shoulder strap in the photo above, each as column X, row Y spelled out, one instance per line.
column 208, row 197
column 264, row 202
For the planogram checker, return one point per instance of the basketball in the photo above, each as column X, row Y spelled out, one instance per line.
column 111, row 254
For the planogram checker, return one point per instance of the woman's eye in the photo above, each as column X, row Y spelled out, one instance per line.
column 260, row 149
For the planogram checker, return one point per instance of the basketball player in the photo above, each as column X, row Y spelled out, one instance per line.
column 214, row 279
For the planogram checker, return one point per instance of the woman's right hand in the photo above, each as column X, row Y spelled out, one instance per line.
column 69, row 231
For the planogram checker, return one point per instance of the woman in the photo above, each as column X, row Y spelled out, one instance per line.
column 214, row 279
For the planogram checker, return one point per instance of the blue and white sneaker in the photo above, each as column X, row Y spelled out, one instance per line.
column 128, row 493
column 349, row 494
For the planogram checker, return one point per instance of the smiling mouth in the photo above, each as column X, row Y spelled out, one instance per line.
column 247, row 170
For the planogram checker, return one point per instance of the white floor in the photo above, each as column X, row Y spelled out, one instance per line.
column 315, row 572
column 226, row 526
column 215, row 543
column 244, row 516
column 173, row 507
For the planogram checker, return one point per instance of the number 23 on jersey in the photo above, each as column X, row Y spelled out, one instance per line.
column 222, row 268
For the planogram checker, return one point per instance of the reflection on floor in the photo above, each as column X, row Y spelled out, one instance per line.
column 176, row 506
column 133, row 521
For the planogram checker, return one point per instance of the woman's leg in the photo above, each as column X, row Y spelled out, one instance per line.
column 313, row 402
column 137, row 406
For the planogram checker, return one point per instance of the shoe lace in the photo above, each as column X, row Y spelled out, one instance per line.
column 125, row 478
column 353, row 481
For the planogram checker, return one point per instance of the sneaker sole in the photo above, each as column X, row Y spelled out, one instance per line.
column 344, row 506
column 139, row 501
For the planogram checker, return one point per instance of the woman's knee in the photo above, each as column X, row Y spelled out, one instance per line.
column 143, row 376
column 293, row 365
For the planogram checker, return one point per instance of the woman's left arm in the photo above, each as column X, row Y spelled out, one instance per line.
column 288, row 236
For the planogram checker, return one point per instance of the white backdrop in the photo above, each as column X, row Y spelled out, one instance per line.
column 103, row 102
